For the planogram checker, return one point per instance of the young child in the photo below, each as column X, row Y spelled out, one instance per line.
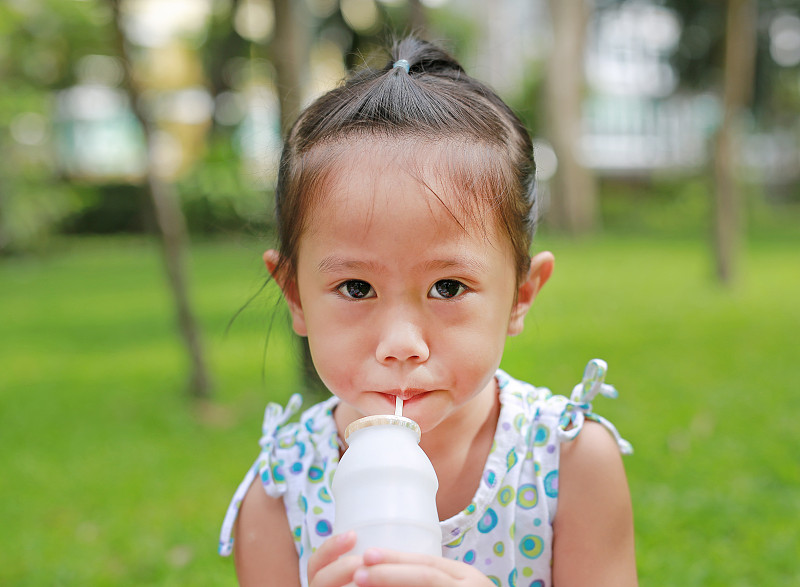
column 406, row 210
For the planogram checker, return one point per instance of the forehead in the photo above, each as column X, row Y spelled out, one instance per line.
column 458, row 182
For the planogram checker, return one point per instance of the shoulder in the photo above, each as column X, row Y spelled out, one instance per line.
column 591, row 451
column 594, row 522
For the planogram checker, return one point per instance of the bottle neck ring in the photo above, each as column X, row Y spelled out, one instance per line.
column 381, row 420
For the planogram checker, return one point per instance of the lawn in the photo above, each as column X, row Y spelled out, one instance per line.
column 111, row 476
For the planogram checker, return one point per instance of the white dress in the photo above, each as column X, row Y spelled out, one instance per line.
column 507, row 529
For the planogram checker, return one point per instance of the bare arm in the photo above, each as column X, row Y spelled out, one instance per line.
column 264, row 549
column 265, row 554
column 593, row 528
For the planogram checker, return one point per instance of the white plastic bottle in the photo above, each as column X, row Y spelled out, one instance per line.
column 385, row 487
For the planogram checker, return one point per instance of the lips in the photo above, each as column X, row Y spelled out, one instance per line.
column 405, row 394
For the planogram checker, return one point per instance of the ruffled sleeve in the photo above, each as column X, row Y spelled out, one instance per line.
column 266, row 467
column 579, row 407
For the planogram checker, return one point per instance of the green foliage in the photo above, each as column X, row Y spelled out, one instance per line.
column 683, row 207
column 460, row 31
column 668, row 206
column 111, row 478
column 218, row 196
column 32, row 197
column 30, row 208
column 40, row 44
column 43, row 39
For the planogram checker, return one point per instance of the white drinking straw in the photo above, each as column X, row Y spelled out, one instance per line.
column 398, row 406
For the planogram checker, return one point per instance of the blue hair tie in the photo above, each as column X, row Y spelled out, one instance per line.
column 402, row 63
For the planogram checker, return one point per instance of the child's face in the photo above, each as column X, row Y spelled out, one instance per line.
column 397, row 299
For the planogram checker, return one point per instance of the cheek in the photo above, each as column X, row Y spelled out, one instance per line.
column 329, row 364
column 476, row 341
column 335, row 348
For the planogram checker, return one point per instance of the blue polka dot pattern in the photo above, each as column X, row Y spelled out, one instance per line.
column 551, row 484
column 506, row 495
column 489, row 477
column 488, row 522
column 323, row 528
column 511, row 459
column 527, row 496
column 531, row 546
column 542, row 434
column 324, row 496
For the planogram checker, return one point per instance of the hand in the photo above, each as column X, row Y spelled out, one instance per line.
column 389, row 568
column 328, row 568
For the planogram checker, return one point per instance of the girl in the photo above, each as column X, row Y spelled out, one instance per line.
column 406, row 210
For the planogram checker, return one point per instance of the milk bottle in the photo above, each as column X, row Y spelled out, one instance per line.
column 385, row 487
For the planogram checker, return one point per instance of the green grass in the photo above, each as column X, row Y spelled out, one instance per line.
column 111, row 476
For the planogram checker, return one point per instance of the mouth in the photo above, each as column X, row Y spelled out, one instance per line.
column 407, row 395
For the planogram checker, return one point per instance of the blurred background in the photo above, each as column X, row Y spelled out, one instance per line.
column 139, row 343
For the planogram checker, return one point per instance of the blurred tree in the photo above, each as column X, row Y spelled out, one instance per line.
column 219, row 193
column 290, row 57
column 725, row 47
column 170, row 223
column 41, row 43
column 573, row 205
column 740, row 56
column 417, row 18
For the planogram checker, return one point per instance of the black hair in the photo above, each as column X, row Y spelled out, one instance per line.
column 433, row 102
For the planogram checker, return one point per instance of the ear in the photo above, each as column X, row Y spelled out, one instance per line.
column 538, row 274
column 272, row 259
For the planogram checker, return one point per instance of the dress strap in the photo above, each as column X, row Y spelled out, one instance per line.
column 579, row 406
column 276, row 416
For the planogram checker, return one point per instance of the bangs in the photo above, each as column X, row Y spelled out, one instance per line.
column 477, row 181
column 473, row 181
column 485, row 191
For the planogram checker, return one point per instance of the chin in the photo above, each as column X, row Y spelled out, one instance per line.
column 428, row 417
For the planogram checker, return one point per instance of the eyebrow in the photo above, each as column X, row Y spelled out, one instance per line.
column 461, row 262
column 334, row 264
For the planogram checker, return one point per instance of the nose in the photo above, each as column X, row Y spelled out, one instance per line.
column 402, row 340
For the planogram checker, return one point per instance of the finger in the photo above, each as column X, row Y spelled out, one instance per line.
column 337, row 574
column 378, row 556
column 329, row 551
column 388, row 568
column 403, row 575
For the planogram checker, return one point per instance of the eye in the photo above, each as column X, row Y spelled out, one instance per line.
column 356, row 290
column 447, row 288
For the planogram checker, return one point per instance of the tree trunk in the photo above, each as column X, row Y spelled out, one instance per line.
column 291, row 61
column 740, row 51
column 573, row 202
column 171, row 227
column 290, row 58
column 417, row 19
